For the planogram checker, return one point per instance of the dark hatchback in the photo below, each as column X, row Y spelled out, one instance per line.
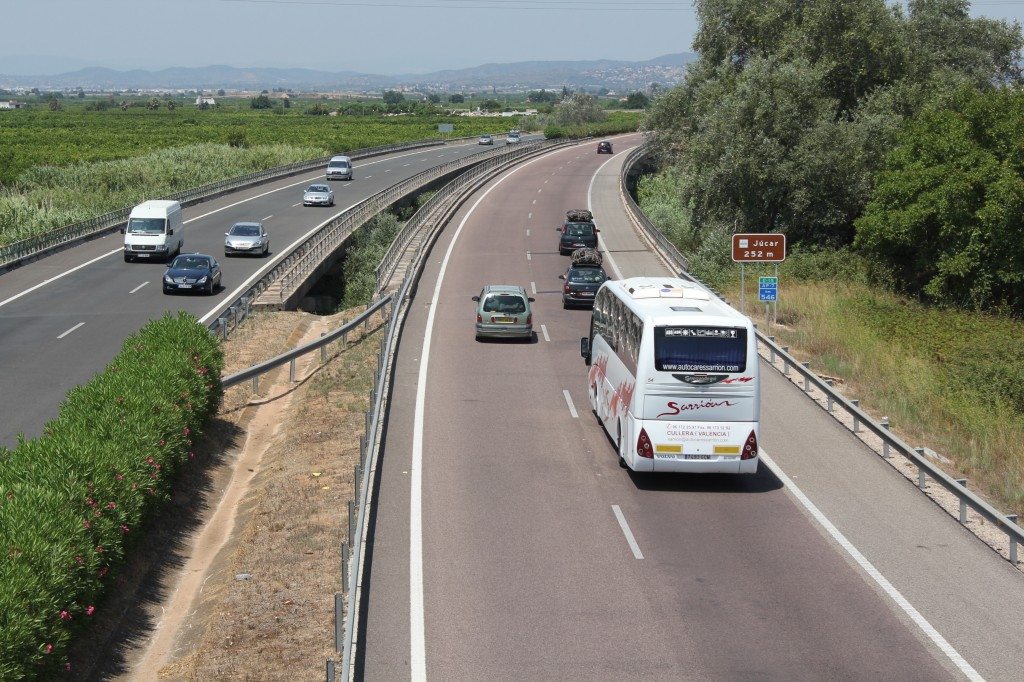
column 581, row 284
column 192, row 272
column 576, row 236
column 604, row 147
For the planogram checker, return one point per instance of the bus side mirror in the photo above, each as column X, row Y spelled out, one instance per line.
column 585, row 349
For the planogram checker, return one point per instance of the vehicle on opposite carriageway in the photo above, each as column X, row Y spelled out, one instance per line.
column 674, row 377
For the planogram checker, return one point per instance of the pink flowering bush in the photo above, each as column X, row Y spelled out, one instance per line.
column 102, row 467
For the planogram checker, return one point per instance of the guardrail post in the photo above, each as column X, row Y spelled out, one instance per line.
column 344, row 566
column 369, row 419
column 355, row 476
column 362, row 449
column 785, row 361
column 1013, row 551
column 885, row 444
column 339, row 621
column 922, row 477
column 771, row 349
column 807, row 380
column 828, row 396
column 330, row 670
column 856, row 420
column 344, row 341
column 963, row 501
column 223, row 323
column 291, row 371
column 351, row 523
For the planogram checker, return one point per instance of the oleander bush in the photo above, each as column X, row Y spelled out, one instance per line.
column 73, row 500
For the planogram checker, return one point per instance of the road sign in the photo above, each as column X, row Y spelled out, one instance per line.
column 768, row 288
column 758, row 248
column 445, row 127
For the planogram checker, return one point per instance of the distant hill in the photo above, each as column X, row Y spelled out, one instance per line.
column 612, row 74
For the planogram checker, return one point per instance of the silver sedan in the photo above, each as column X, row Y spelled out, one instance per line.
column 246, row 238
column 318, row 195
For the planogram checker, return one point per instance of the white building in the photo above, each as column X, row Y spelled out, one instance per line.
column 208, row 101
column 12, row 105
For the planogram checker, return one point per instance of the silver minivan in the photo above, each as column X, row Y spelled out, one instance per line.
column 503, row 311
column 339, row 168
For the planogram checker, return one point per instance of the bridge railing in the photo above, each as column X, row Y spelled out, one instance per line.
column 834, row 400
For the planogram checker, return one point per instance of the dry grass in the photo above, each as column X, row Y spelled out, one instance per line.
column 279, row 624
column 948, row 380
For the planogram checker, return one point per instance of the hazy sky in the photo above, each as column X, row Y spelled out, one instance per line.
column 389, row 36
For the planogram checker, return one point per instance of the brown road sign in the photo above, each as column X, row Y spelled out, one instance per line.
column 758, row 248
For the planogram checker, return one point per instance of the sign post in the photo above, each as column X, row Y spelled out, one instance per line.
column 759, row 247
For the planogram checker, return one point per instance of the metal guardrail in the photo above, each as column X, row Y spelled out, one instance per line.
column 890, row 442
column 25, row 249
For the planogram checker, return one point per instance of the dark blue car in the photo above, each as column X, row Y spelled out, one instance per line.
column 192, row 272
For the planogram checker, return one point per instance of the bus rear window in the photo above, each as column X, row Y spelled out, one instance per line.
column 700, row 349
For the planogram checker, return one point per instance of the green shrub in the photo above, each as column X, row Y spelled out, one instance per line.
column 360, row 269
column 72, row 500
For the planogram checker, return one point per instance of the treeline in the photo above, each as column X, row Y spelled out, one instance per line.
column 877, row 131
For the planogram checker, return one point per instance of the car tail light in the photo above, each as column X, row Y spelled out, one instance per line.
column 750, row 447
column 529, row 319
column 566, row 288
column 643, row 445
column 479, row 318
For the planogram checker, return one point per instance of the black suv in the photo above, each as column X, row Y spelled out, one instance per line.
column 604, row 147
column 582, row 280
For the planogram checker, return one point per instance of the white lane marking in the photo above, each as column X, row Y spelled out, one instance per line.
column 637, row 554
column 405, row 164
column 534, row 201
column 267, row 217
column 590, row 207
column 546, row 182
column 544, row 331
column 568, row 401
column 527, row 232
column 138, row 287
column 530, row 217
column 190, row 220
column 388, row 170
column 533, row 288
column 368, row 177
column 529, row 256
column 71, row 330
column 417, row 625
column 875, row 574
column 540, row 190
column 297, row 203
column 56, row 277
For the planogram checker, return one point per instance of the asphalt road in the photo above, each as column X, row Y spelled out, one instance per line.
column 507, row 542
column 64, row 317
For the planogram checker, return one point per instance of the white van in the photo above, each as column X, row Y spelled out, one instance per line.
column 339, row 168
column 155, row 231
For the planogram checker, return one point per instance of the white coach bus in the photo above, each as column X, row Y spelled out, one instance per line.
column 674, row 377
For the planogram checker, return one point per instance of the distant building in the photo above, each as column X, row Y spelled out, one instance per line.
column 208, row 101
column 12, row 105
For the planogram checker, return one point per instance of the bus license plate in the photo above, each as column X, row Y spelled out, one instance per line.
column 695, row 456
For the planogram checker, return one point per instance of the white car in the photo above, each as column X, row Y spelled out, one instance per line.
column 486, row 139
column 512, row 138
column 318, row 195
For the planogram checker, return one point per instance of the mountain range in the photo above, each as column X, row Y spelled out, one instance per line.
column 612, row 74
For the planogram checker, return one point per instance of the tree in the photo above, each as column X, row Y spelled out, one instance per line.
column 170, row 105
column 948, row 210
column 286, row 102
column 317, row 110
column 541, row 96
column 55, row 104
column 637, row 100
column 491, row 105
column 456, row 99
column 153, row 104
column 392, row 97
column 434, row 98
column 81, row 93
column 578, row 109
column 261, row 102
column 221, row 93
column 237, row 138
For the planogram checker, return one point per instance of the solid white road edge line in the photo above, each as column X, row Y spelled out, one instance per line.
column 873, row 572
column 590, row 207
column 71, row 330
column 544, row 331
column 635, row 548
column 198, row 217
column 568, row 401
column 417, row 626
column 138, row 287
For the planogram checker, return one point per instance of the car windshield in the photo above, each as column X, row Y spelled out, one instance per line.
column 190, row 263
column 504, row 303
column 579, row 229
column 587, row 275
column 317, row 188
column 245, row 231
column 146, row 225
column 338, row 164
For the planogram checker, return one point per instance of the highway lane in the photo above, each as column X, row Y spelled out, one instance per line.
column 94, row 287
column 527, row 568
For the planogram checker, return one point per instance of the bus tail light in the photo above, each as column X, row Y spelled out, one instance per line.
column 643, row 445
column 750, row 447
